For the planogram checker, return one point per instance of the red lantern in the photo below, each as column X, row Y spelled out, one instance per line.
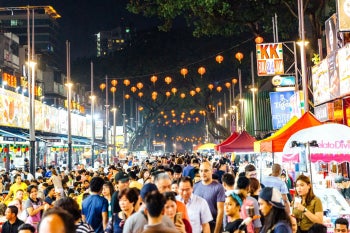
column 234, row 81
column 167, row 93
column 140, row 94
column 219, row 88
column 167, row 80
column 184, row 72
column 114, row 82
column 139, row 85
column 239, row 56
column 154, row 79
column 126, row 82
column 102, row 86
column 127, row 96
column 219, row 59
column 182, row 95
column 173, row 90
column 133, row 89
column 210, row 86
column 198, row 89
column 259, row 40
column 192, row 92
column 201, row 70
column 228, row 85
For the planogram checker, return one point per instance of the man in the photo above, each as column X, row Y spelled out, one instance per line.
column 248, row 202
column 189, row 170
column 12, row 223
column 56, row 220
column 14, row 187
column 155, row 202
column 51, row 195
column 138, row 220
column 213, row 193
column 341, row 225
column 197, row 208
column 250, row 171
column 123, row 181
column 26, row 228
column 163, row 183
column 177, row 172
column 275, row 181
column 95, row 207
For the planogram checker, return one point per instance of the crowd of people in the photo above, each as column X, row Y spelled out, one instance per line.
column 180, row 193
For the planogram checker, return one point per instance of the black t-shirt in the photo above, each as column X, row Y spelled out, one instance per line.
column 115, row 203
column 232, row 226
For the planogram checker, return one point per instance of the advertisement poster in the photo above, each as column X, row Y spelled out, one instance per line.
column 280, row 108
column 269, row 59
column 343, row 10
column 320, row 82
column 344, row 70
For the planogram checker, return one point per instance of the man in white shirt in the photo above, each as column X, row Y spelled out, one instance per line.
column 197, row 207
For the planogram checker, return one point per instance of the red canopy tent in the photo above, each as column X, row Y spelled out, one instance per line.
column 243, row 143
column 275, row 143
column 228, row 140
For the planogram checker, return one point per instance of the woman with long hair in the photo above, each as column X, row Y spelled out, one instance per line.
column 34, row 206
column 307, row 208
column 232, row 208
column 272, row 207
column 170, row 210
column 56, row 180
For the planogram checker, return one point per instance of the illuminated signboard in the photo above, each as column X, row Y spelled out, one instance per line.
column 269, row 59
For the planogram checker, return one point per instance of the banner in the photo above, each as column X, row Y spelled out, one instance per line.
column 280, row 108
column 343, row 10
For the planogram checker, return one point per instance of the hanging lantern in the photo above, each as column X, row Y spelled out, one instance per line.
column 234, row 81
column 192, row 92
column 126, row 82
column 114, row 82
column 210, row 86
column 173, row 90
column 219, row 88
column 140, row 94
column 127, row 96
column 18, row 148
column 167, row 93
column 140, row 108
column 133, row 89
column 11, row 147
column 167, row 80
column 154, row 79
column 228, row 85
column 201, row 70
column 220, row 103
column 102, row 86
column 154, row 93
column 139, row 85
column 184, row 72
column 239, row 56
column 6, row 149
column 219, row 59
column 259, row 40
column 198, row 89
column 154, row 97
column 0, row 148
column 162, row 113
column 182, row 95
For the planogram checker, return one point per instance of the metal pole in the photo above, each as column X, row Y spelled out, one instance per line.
column 124, row 126
column 240, row 97
column 296, row 68
column 107, row 121
column 253, row 91
column 69, row 104
column 92, row 117
column 303, row 55
column 114, row 126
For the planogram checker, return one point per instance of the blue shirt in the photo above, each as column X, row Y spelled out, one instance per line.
column 93, row 207
column 275, row 182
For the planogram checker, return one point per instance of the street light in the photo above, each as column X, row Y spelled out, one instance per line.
column 114, row 110
column 69, row 106
column 31, row 83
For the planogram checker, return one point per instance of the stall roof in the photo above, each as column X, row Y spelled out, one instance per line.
column 228, row 140
column 276, row 142
column 243, row 143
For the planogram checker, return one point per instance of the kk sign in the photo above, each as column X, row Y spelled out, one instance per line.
column 269, row 59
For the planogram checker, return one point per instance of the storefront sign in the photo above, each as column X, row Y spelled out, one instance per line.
column 283, row 81
column 269, row 59
column 344, row 69
column 324, row 112
column 343, row 10
column 280, row 108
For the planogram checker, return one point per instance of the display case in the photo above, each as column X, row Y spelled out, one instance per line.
column 332, row 201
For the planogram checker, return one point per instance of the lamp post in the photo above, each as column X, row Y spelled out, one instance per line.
column 253, row 92
column 239, row 56
column 69, row 104
column 114, row 110
column 92, row 98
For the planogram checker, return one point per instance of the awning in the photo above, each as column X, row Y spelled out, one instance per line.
column 243, row 143
column 9, row 136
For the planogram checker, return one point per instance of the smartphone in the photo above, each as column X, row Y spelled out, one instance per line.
column 178, row 216
column 297, row 200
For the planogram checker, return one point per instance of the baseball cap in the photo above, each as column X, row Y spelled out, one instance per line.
column 122, row 177
column 147, row 188
column 272, row 196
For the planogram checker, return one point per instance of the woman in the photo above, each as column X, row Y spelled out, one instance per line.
column 18, row 202
column 34, row 206
column 307, row 208
column 128, row 199
column 107, row 192
column 273, row 209
column 72, row 207
column 170, row 210
column 56, row 180
column 145, row 176
column 232, row 210
column 254, row 188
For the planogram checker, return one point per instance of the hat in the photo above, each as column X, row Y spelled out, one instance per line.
column 147, row 188
column 272, row 196
column 121, row 176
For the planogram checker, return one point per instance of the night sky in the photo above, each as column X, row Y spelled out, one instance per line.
column 82, row 19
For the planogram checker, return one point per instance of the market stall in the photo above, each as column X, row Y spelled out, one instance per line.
column 326, row 148
column 244, row 142
column 228, row 140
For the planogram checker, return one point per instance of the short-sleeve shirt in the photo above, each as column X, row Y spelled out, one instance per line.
column 314, row 207
column 93, row 207
column 198, row 211
column 212, row 193
column 15, row 187
column 251, row 201
column 275, row 182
